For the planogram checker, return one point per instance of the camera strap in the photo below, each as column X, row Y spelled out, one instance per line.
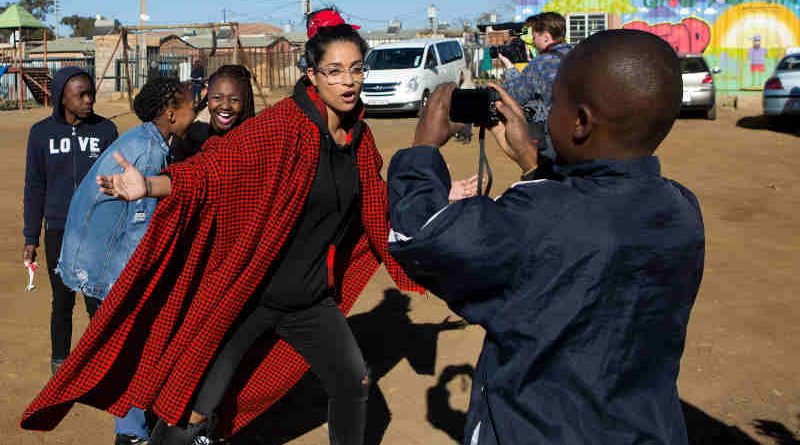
column 483, row 164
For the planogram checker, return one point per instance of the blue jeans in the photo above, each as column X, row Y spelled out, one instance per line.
column 197, row 92
column 133, row 424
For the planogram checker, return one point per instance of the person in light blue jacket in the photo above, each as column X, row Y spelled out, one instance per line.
column 101, row 231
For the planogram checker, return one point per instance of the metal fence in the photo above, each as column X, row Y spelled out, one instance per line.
column 140, row 70
column 9, row 84
column 272, row 69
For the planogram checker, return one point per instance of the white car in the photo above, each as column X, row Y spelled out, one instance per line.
column 402, row 75
column 782, row 90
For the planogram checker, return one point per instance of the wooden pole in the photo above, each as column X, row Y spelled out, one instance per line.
column 236, row 45
column 20, row 81
column 108, row 63
column 255, row 79
column 124, row 37
column 189, row 25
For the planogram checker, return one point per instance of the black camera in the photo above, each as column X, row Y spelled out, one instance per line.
column 514, row 50
column 475, row 106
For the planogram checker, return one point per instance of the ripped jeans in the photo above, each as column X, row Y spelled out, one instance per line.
column 322, row 336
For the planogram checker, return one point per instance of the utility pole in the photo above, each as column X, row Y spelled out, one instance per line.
column 224, row 15
column 432, row 17
column 306, row 4
column 142, row 63
column 55, row 10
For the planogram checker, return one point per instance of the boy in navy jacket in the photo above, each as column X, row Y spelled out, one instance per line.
column 61, row 149
column 583, row 281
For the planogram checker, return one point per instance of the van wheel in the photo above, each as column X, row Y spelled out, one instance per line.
column 711, row 113
column 423, row 102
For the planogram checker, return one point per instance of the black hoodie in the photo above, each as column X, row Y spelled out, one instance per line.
column 59, row 155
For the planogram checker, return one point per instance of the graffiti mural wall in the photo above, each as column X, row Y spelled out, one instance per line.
column 745, row 39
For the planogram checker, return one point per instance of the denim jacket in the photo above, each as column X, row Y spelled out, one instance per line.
column 101, row 231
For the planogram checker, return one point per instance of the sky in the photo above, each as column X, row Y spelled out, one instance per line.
column 370, row 14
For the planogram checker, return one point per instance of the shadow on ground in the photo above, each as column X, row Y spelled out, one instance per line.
column 386, row 336
column 701, row 427
column 785, row 125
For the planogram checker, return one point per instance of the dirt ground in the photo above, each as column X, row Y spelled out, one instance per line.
column 739, row 379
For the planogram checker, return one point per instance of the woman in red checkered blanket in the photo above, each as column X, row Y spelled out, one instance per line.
column 258, row 249
column 297, row 298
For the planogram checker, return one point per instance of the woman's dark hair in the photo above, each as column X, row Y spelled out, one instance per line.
column 316, row 46
column 240, row 75
column 158, row 94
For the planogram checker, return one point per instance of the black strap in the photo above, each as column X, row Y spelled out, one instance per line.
column 483, row 162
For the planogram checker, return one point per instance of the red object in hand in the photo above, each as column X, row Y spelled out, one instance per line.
column 31, row 267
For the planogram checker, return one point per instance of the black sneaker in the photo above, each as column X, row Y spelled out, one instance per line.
column 124, row 439
column 202, row 440
column 193, row 434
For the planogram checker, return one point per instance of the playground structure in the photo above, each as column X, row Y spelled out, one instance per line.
column 136, row 49
column 37, row 80
column 121, row 54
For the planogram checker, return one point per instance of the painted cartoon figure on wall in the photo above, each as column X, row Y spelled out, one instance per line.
column 758, row 56
column 744, row 38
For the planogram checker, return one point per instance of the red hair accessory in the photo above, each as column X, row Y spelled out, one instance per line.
column 324, row 19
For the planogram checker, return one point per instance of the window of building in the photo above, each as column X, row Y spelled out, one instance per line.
column 581, row 26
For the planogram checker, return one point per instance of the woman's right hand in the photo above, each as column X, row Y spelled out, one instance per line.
column 129, row 185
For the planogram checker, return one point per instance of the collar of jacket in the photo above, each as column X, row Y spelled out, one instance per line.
column 308, row 100
column 557, row 47
column 153, row 132
column 644, row 166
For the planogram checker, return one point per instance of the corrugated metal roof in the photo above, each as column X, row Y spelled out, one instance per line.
column 66, row 45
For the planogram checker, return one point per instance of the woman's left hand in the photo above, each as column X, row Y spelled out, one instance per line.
column 129, row 185
column 465, row 188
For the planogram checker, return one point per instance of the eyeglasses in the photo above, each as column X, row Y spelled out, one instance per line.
column 336, row 74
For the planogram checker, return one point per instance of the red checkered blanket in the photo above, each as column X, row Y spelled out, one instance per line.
column 207, row 249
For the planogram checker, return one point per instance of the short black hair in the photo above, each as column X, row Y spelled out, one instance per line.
column 316, row 46
column 240, row 75
column 631, row 79
column 158, row 94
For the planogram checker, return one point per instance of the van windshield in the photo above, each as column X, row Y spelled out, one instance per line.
column 394, row 58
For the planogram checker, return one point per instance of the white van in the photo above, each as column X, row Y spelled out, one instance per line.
column 403, row 75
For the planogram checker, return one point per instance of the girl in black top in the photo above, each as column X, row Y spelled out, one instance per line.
column 230, row 102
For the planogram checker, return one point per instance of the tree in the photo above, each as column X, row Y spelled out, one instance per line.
column 39, row 8
column 81, row 26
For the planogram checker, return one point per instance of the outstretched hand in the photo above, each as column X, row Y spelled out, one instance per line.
column 464, row 188
column 129, row 185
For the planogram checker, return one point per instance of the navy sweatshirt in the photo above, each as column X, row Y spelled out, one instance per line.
column 59, row 155
column 584, row 283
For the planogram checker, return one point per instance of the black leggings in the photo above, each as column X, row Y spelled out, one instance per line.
column 322, row 336
column 63, row 300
